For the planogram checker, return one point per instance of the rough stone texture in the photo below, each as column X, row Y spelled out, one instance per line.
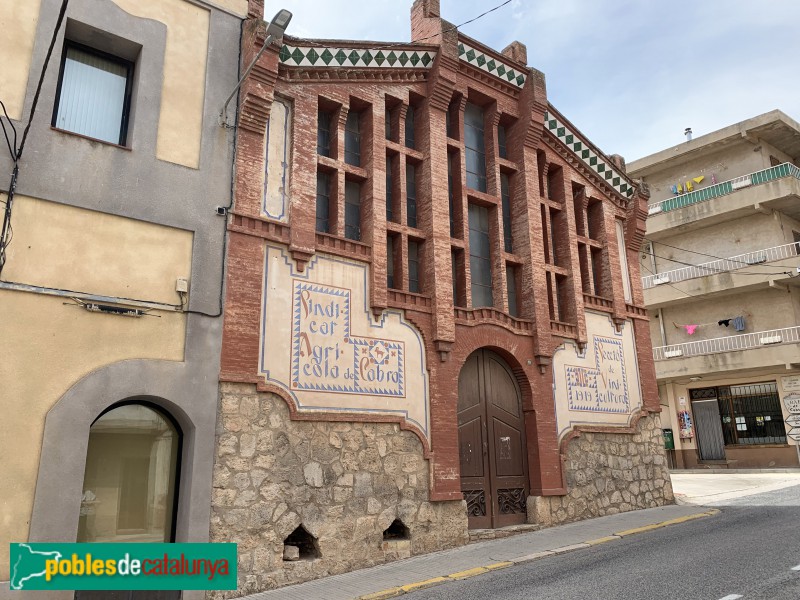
column 344, row 482
column 609, row 473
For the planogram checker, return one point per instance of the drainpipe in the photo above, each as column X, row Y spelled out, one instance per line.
column 659, row 314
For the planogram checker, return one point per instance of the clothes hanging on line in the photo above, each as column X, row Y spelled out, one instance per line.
column 725, row 322
column 690, row 329
column 738, row 323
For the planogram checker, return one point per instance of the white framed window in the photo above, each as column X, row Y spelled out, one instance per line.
column 94, row 94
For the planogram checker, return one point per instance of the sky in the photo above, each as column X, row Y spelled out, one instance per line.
column 630, row 74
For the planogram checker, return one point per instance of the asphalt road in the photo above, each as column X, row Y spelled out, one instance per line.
column 748, row 552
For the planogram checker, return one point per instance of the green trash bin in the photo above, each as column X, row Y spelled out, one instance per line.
column 669, row 439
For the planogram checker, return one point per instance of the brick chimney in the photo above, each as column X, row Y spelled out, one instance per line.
column 516, row 51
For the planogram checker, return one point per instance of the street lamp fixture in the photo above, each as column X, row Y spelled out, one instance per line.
column 275, row 30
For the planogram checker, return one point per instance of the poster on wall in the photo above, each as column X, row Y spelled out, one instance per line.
column 685, row 425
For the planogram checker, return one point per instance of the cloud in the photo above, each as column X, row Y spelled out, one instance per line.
column 630, row 74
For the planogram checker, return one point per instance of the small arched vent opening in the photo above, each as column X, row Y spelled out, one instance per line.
column 300, row 545
column 396, row 531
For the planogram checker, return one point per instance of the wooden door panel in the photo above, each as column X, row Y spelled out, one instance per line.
column 470, row 448
column 469, row 387
column 501, row 388
column 508, row 450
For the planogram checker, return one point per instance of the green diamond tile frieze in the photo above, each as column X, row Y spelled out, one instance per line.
column 293, row 56
column 602, row 168
column 490, row 65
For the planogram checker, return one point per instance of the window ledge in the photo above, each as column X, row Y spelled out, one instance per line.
column 91, row 139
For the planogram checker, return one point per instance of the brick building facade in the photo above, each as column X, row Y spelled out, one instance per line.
column 434, row 316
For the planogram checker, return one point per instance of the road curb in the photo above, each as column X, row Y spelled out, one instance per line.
column 475, row 571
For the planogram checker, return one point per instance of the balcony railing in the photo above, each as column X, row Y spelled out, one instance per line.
column 722, row 265
column 731, row 343
column 724, row 188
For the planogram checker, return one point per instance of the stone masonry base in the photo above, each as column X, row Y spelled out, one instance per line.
column 344, row 482
column 609, row 473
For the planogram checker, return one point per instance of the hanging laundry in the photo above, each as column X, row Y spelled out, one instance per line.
column 713, row 179
column 698, row 179
column 674, row 190
column 689, row 186
column 738, row 323
column 690, row 329
column 725, row 322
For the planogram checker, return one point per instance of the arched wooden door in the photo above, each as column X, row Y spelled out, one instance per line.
column 491, row 439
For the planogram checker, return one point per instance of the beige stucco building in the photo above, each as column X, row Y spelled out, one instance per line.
column 110, row 286
column 720, row 270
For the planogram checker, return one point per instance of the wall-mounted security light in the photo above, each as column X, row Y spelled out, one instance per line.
column 275, row 30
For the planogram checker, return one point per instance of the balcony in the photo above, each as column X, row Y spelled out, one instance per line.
column 760, row 349
column 721, row 276
column 776, row 188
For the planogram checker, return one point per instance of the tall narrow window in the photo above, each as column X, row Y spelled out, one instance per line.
column 323, row 202
column 511, row 287
column 501, row 142
column 410, row 127
column 555, row 183
column 411, row 195
column 475, row 151
column 323, row 133
column 388, row 124
column 413, row 267
column 93, row 97
column 480, row 264
column 389, row 185
column 390, row 261
column 352, row 210
column 506, row 199
column 130, row 477
column 623, row 263
column 598, row 272
column 450, row 200
column 352, row 139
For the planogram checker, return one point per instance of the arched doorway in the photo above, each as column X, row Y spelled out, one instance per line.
column 491, row 439
column 129, row 486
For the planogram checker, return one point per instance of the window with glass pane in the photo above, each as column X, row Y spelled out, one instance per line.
column 474, row 148
column 390, row 261
column 413, row 267
column 501, row 142
column 352, row 139
column 480, row 256
column 352, row 210
column 387, row 118
column 324, row 133
column 506, row 198
column 93, row 94
column 410, row 127
column 323, row 202
column 389, row 183
column 411, row 195
column 451, row 206
column 129, row 481
column 751, row 414
column 511, row 287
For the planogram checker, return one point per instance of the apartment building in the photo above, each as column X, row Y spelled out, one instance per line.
column 112, row 257
column 720, row 278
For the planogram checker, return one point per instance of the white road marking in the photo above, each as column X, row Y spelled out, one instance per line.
column 731, row 597
column 797, row 568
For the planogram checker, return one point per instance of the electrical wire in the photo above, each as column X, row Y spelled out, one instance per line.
column 6, row 231
column 712, row 271
column 704, row 254
column 672, row 286
column 435, row 35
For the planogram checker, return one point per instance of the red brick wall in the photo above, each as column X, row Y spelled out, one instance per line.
column 528, row 342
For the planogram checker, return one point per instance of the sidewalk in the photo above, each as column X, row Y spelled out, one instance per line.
column 693, row 489
column 396, row 578
column 702, row 487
